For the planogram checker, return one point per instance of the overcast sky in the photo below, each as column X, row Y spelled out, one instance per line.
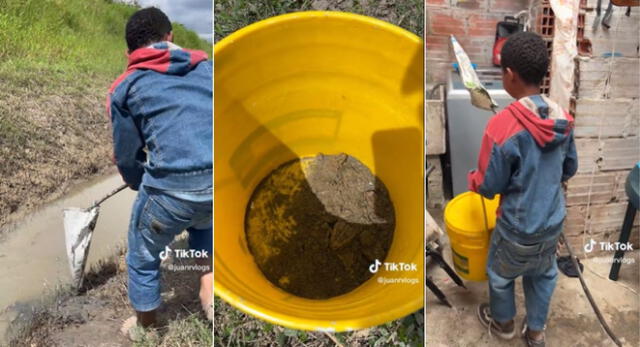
column 193, row 14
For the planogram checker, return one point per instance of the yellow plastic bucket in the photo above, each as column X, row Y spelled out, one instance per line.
column 297, row 85
column 464, row 222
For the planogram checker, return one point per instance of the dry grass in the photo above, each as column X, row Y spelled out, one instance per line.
column 48, row 139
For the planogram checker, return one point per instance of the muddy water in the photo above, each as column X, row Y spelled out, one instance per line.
column 32, row 254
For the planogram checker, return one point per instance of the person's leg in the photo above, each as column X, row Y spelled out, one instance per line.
column 206, row 294
column 501, row 282
column 201, row 238
column 152, row 228
column 136, row 260
column 502, row 300
column 538, row 289
column 498, row 314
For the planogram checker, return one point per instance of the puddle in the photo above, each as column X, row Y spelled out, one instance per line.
column 32, row 255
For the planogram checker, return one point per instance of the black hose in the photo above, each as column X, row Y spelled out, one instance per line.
column 588, row 293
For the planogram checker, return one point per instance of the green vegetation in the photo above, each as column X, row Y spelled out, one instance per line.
column 57, row 60
column 232, row 15
column 76, row 38
column 234, row 328
column 65, row 47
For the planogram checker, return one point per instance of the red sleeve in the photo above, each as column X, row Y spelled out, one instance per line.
column 475, row 177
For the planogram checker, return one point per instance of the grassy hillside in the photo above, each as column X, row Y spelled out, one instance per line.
column 70, row 36
column 57, row 60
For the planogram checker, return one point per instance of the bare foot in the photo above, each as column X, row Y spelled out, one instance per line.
column 136, row 333
column 206, row 294
column 129, row 324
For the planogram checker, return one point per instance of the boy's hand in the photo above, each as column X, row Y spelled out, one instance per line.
column 132, row 186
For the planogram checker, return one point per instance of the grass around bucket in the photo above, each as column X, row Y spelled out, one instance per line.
column 466, row 219
column 319, row 82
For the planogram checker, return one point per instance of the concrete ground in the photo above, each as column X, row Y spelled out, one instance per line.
column 571, row 322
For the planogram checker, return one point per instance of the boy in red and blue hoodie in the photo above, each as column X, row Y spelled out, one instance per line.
column 161, row 114
column 526, row 155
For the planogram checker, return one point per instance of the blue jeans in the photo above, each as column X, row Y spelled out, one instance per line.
column 157, row 217
column 536, row 264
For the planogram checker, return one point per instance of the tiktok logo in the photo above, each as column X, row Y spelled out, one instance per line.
column 373, row 268
column 165, row 254
column 588, row 248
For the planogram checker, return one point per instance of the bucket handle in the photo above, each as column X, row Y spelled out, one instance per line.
column 484, row 215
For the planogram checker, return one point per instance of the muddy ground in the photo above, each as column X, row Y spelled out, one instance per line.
column 571, row 322
column 50, row 138
column 95, row 315
column 328, row 211
column 54, row 134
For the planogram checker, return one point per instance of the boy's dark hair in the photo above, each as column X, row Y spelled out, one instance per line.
column 145, row 27
column 526, row 53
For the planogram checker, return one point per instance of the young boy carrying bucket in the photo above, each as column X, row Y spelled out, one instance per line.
column 161, row 114
column 527, row 152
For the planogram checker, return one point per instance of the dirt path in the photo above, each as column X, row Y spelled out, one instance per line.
column 571, row 319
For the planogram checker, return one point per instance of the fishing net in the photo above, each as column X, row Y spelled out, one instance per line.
column 78, row 230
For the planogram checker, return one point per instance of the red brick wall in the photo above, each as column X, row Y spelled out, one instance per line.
column 473, row 22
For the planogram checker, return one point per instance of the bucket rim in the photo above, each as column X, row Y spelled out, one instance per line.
column 309, row 324
column 457, row 198
column 305, row 15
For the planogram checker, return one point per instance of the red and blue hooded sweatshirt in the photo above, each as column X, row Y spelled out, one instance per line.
column 527, row 151
column 161, row 114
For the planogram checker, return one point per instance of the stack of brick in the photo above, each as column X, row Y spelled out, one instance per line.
column 472, row 22
column 607, row 114
column 544, row 25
